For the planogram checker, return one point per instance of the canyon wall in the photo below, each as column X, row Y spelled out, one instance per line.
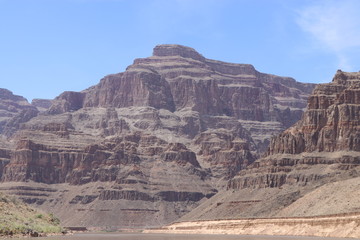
column 154, row 141
column 310, row 169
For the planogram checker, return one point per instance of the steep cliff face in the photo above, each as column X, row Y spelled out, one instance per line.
column 328, row 134
column 331, row 121
column 135, row 87
column 153, row 141
column 309, row 164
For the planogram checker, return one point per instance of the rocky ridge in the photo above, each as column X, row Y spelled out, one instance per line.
column 154, row 141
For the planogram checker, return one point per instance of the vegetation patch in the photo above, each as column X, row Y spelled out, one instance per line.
column 17, row 218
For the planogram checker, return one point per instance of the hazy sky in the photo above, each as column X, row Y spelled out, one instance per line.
column 49, row 46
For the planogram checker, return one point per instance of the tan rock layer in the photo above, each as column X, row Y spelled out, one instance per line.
column 347, row 225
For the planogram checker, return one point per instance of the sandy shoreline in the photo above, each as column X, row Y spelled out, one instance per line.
column 325, row 226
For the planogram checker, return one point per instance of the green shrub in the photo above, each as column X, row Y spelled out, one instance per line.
column 18, row 218
column 54, row 219
column 45, row 228
column 40, row 216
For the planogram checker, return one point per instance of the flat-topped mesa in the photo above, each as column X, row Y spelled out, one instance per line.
column 177, row 50
column 174, row 53
column 221, row 88
column 172, row 50
column 178, row 77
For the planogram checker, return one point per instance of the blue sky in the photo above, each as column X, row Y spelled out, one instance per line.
column 50, row 46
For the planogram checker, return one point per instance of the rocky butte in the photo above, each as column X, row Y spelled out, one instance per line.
column 146, row 146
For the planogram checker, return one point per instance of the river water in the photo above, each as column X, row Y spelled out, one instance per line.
column 138, row 236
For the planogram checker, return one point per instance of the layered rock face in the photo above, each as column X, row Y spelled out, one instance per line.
column 219, row 88
column 331, row 121
column 177, row 78
column 154, row 141
column 328, row 134
column 306, row 167
column 109, row 175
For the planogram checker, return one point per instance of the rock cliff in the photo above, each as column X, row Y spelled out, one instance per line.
column 178, row 79
column 305, row 167
column 154, row 141
column 328, row 134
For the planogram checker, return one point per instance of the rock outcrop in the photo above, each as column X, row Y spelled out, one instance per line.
column 154, row 141
column 14, row 110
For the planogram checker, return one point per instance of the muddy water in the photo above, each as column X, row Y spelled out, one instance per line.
column 137, row 236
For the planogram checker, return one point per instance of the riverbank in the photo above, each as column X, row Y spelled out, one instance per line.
column 345, row 225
